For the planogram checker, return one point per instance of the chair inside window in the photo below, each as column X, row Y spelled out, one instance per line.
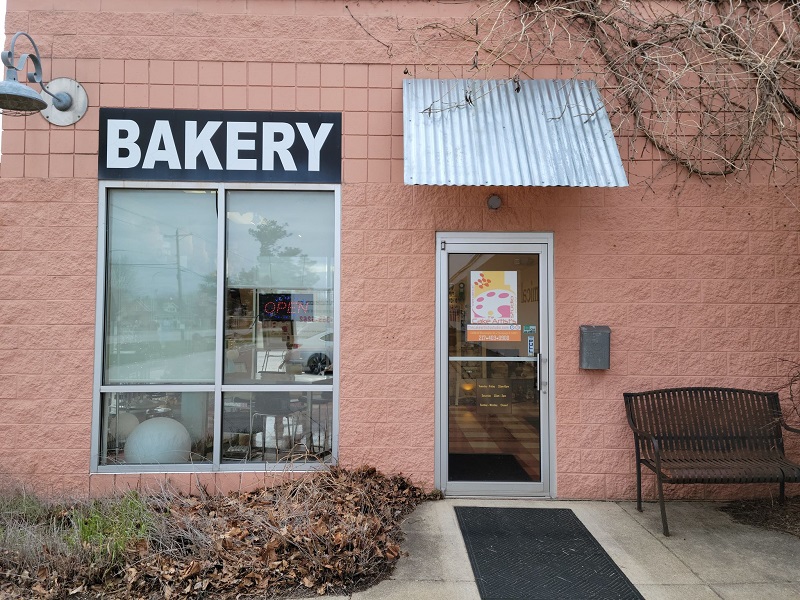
column 286, row 415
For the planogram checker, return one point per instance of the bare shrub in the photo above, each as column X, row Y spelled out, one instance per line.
column 792, row 391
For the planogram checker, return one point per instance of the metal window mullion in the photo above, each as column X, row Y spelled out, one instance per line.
column 277, row 388
column 99, row 332
column 124, row 388
column 493, row 358
column 137, row 469
column 336, row 281
column 219, row 349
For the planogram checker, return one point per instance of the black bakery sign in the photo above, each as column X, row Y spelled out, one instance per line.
column 217, row 145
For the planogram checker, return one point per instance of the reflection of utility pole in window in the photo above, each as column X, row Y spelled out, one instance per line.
column 178, row 236
column 178, row 266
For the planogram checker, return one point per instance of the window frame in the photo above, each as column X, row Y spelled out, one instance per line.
column 218, row 388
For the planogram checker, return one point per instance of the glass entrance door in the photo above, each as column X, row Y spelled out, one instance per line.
column 494, row 343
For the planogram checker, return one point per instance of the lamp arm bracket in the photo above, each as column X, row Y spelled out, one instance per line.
column 35, row 58
column 68, row 110
column 62, row 101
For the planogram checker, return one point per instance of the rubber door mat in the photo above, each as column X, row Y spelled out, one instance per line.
column 538, row 554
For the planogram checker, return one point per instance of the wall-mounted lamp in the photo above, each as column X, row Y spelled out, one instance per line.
column 63, row 101
column 494, row 202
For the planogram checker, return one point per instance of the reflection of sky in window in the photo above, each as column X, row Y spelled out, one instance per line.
column 308, row 218
column 147, row 229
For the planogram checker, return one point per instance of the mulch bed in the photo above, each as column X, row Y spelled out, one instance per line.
column 767, row 513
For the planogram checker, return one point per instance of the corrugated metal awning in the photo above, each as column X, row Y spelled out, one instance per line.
column 541, row 132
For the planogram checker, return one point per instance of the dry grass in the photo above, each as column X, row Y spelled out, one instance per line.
column 333, row 531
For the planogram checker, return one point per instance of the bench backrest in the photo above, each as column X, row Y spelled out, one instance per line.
column 694, row 422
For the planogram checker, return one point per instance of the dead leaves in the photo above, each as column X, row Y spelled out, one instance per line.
column 191, row 570
column 330, row 532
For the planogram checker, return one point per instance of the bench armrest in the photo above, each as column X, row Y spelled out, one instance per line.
column 640, row 433
column 789, row 427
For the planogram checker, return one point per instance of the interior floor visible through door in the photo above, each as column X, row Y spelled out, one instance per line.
column 489, row 446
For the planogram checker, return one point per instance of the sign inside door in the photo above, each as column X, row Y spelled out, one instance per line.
column 494, row 297
column 493, row 396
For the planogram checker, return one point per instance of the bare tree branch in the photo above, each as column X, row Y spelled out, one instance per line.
column 713, row 85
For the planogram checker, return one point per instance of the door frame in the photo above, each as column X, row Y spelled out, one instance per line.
column 547, row 297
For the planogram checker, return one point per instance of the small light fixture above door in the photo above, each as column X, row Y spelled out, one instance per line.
column 494, row 202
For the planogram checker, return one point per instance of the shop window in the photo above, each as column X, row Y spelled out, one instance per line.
column 218, row 338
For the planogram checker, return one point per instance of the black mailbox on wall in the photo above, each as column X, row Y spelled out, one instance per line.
column 595, row 347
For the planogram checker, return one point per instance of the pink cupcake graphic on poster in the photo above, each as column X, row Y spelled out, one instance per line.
column 494, row 297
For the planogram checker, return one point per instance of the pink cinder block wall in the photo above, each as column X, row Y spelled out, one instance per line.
column 699, row 281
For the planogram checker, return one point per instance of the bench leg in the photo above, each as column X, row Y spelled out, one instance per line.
column 638, row 486
column 664, row 526
column 782, row 492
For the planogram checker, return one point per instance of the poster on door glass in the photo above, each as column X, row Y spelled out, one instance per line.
column 494, row 297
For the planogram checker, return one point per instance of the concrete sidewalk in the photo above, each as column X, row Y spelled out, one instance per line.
column 708, row 556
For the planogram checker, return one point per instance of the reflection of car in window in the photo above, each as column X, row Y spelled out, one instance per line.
column 313, row 354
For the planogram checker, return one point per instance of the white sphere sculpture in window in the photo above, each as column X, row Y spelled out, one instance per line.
column 160, row 440
column 121, row 425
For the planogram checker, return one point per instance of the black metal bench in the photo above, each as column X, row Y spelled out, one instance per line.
column 709, row 435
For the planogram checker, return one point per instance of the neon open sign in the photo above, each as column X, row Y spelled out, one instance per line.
column 286, row 307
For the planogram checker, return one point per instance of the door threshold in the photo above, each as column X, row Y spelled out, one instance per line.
column 474, row 497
